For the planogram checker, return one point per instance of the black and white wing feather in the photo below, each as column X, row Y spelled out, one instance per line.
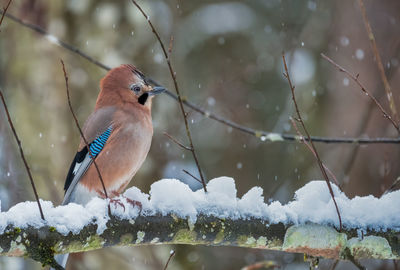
column 81, row 163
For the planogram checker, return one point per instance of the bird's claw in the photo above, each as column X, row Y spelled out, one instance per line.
column 117, row 202
column 134, row 203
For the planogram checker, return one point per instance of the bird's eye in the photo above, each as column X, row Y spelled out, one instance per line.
column 135, row 88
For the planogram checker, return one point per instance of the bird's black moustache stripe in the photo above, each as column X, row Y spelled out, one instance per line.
column 143, row 98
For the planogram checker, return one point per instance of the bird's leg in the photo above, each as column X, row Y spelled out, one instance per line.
column 130, row 201
column 114, row 201
column 119, row 202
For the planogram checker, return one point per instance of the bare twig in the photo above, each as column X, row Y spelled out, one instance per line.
column 171, row 41
column 194, row 177
column 357, row 263
column 177, row 142
column 55, row 40
column 171, row 254
column 286, row 74
column 349, row 162
column 4, row 12
column 206, row 113
column 375, row 51
column 22, row 155
column 333, row 267
column 355, row 79
column 55, row 265
column 312, row 151
column 173, row 75
column 83, row 136
column 393, row 186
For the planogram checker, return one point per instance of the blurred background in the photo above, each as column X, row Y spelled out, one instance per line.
column 227, row 56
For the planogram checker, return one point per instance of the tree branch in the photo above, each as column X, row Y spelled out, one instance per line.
column 28, row 170
column 313, row 152
column 5, row 11
column 378, row 59
column 320, row 164
column 363, row 89
column 172, row 254
column 261, row 134
column 173, row 75
column 313, row 239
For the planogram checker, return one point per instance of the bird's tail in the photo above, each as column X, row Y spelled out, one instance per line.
column 61, row 259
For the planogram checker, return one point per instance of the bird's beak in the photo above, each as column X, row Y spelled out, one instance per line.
column 156, row 90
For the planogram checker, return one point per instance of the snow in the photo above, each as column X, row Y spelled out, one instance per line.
column 52, row 39
column 311, row 203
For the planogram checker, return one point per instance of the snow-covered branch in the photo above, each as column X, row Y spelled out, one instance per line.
column 173, row 214
column 316, row 240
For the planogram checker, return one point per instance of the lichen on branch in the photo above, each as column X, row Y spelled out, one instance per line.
column 324, row 241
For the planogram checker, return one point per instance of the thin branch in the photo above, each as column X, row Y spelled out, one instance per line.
column 177, row 142
column 334, row 265
column 171, row 41
column 375, row 51
column 83, row 136
column 194, row 177
column 356, row 263
column 312, row 151
column 172, row 254
column 206, row 113
column 393, row 186
column 4, row 12
column 22, row 155
column 55, row 265
column 311, row 142
column 355, row 79
column 361, row 127
column 55, row 40
column 173, row 75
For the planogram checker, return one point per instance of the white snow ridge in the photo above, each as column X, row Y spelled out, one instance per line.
column 311, row 203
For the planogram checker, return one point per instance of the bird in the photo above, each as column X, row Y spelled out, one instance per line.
column 118, row 132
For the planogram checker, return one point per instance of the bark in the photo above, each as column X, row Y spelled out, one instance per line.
column 324, row 241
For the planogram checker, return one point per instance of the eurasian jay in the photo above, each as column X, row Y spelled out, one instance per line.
column 119, row 133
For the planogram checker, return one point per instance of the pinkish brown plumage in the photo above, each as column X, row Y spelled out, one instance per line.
column 119, row 133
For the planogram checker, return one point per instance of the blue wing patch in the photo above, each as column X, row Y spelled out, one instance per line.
column 95, row 148
column 97, row 145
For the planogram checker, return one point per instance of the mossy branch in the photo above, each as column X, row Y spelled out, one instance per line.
column 42, row 243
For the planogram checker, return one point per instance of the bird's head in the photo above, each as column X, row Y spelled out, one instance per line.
column 129, row 84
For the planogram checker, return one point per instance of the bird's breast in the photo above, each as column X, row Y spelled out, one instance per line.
column 122, row 155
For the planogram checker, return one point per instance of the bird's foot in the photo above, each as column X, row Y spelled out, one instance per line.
column 117, row 202
column 130, row 201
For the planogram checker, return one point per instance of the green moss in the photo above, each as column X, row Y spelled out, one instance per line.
column 185, row 236
column 219, row 237
column 242, row 240
column 44, row 254
column 17, row 230
column 261, row 241
column 251, row 241
column 275, row 244
column 92, row 242
column 52, row 229
column 126, row 239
